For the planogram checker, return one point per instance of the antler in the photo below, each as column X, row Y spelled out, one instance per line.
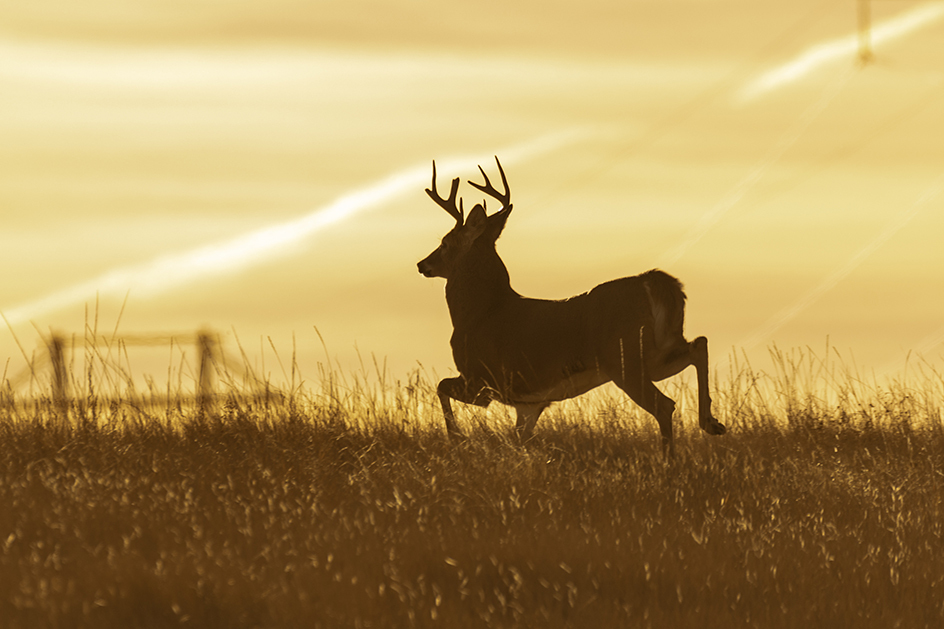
column 447, row 204
column 489, row 189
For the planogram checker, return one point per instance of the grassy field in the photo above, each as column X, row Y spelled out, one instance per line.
column 342, row 504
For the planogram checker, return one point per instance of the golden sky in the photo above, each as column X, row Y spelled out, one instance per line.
column 258, row 168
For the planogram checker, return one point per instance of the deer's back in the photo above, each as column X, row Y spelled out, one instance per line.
column 528, row 345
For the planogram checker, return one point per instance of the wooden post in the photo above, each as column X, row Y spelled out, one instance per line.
column 207, row 345
column 865, row 32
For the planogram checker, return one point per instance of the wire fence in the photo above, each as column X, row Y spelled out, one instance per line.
column 50, row 377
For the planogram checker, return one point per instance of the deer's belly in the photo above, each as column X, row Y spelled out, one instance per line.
column 564, row 389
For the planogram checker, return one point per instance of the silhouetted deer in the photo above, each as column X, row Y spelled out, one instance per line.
column 528, row 353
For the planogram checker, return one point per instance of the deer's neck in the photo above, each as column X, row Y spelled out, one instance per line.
column 478, row 286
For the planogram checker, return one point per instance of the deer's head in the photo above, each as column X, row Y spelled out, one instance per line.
column 476, row 230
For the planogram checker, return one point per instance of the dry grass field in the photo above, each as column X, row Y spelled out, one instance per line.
column 342, row 504
column 260, row 167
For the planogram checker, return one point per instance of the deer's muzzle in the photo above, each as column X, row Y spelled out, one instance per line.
column 425, row 268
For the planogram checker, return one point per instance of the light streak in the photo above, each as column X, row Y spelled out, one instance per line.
column 805, row 301
column 174, row 270
column 821, row 54
column 780, row 76
column 711, row 218
column 930, row 342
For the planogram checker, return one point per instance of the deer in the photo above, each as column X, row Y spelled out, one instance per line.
column 529, row 353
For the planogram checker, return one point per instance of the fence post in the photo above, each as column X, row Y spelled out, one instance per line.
column 208, row 349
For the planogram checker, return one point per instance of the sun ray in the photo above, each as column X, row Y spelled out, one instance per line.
column 170, row 271
column 717, row 212
column 809, row 298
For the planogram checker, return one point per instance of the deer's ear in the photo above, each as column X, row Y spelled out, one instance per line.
column 496, row 222
column 476, row 221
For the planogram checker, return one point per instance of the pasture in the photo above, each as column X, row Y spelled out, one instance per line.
column 341, row 503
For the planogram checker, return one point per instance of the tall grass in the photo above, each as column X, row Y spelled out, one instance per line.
column 343, row 504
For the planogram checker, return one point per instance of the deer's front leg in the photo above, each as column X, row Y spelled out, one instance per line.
column 462, row 390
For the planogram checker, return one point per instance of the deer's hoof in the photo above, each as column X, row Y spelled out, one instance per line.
column 715, row 428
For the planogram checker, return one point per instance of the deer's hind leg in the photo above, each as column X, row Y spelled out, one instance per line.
column 629, row 374
column 669, row 360
column 657, row 404
column 699, row 353
column 461, row 390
